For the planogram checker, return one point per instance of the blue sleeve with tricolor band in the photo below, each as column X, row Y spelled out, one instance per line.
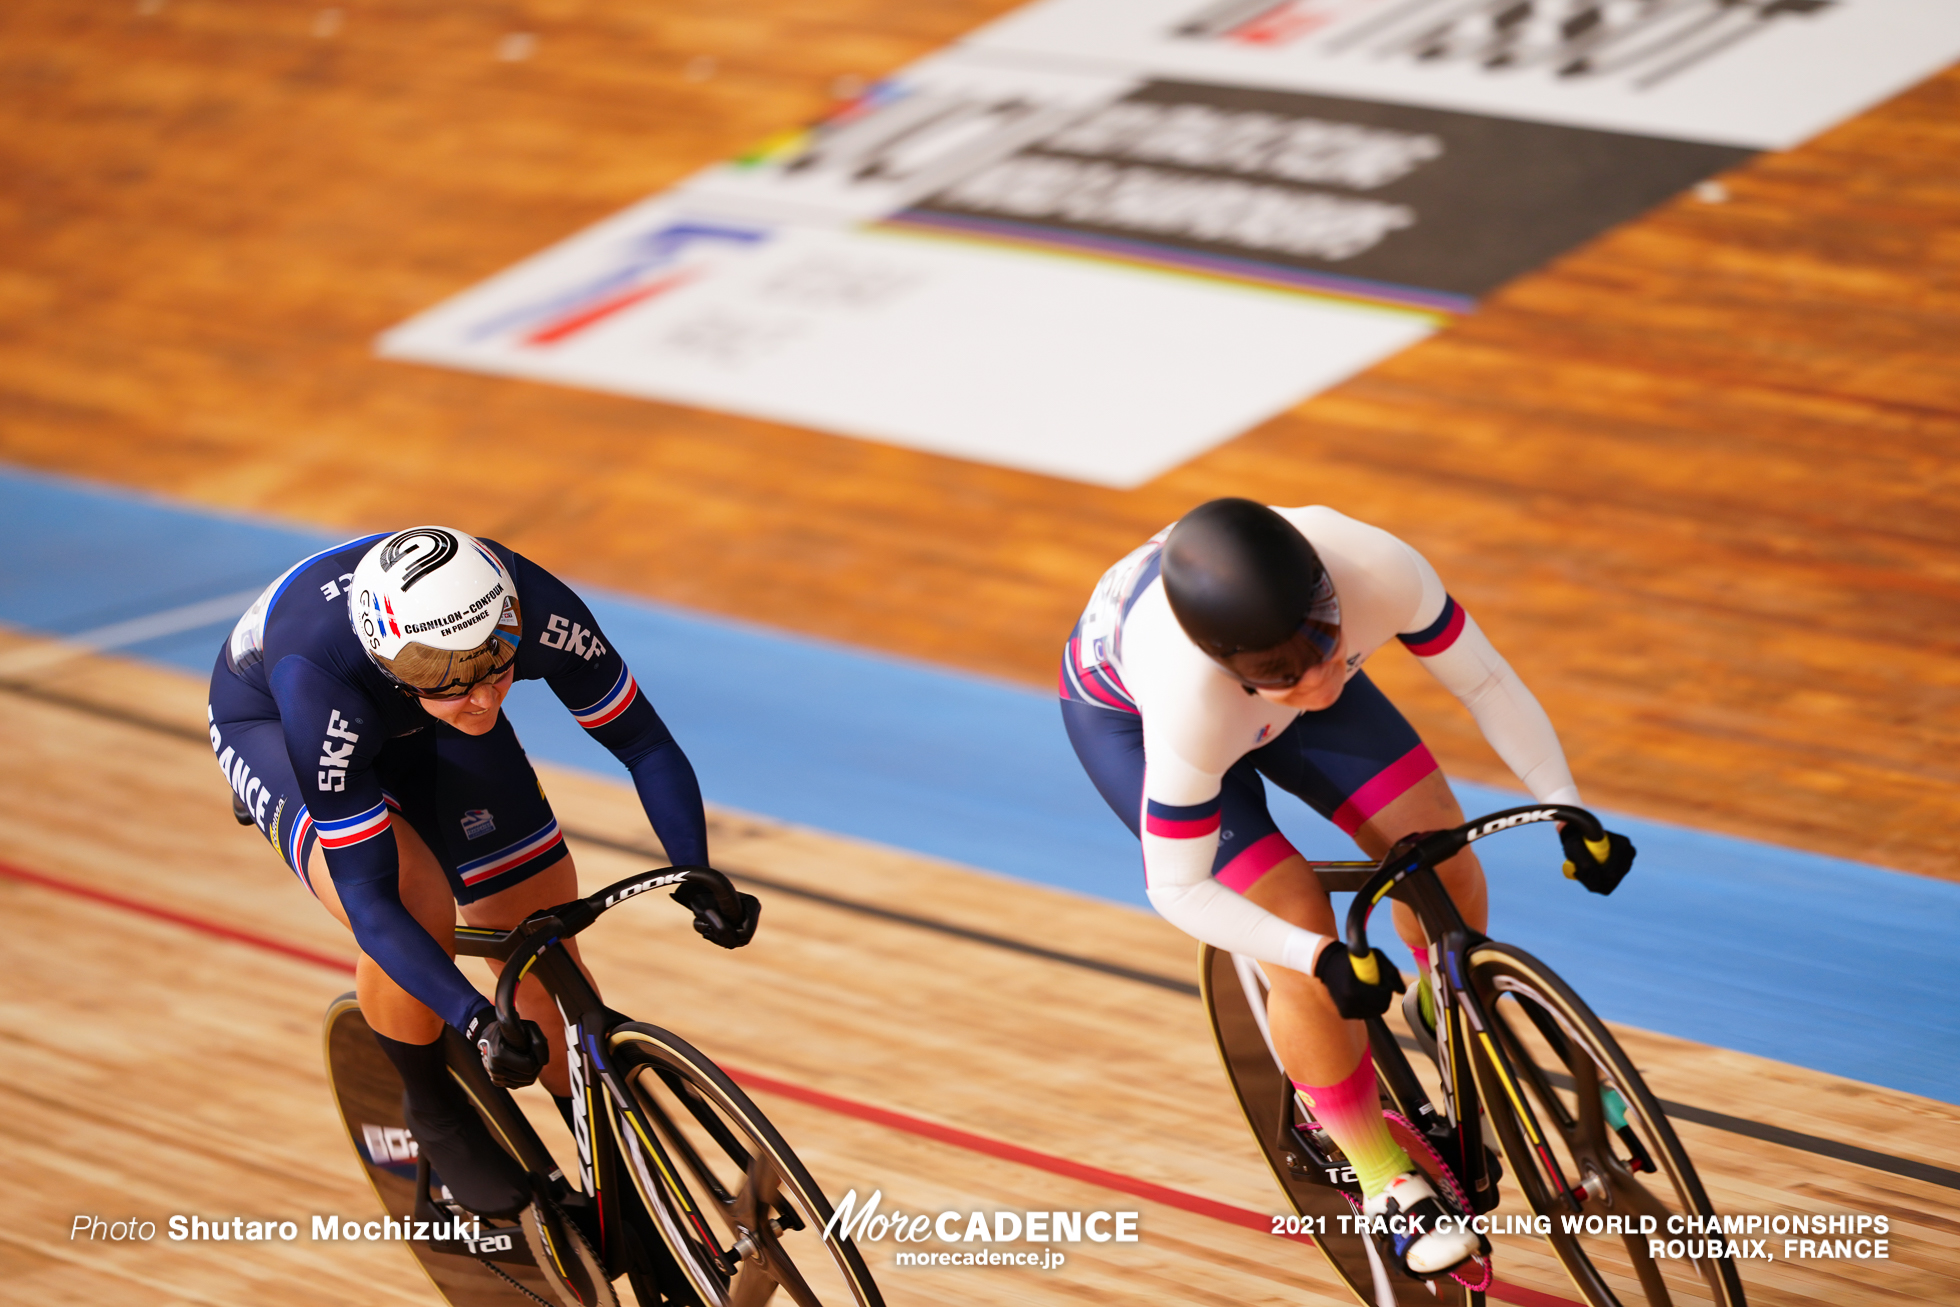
column 333, row 733
column 564, row 646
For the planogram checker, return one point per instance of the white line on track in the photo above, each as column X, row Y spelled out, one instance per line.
column 120, row 635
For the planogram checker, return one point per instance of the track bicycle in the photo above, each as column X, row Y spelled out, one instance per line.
column 684, row 1189
column 1522, row 1063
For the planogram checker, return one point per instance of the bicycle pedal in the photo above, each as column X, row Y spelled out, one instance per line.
column 1311, row 1156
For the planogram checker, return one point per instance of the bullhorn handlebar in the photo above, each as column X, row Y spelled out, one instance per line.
column 550, row 925
column 1427, row 849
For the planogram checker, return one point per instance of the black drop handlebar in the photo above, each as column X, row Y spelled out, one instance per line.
column 550, row 925
column 1427, row 849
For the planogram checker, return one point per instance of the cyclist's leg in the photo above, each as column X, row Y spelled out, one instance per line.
column 252, row 750
column 1426, row 805
column 548, row 887
column 1360, row 764
column 391, row 1010
column 1253, row 859
column 478, row 1173
column 1333, row 1070
column 1313, row 1041
column 250, row 745
column 1317, row 1044
column 480, row 807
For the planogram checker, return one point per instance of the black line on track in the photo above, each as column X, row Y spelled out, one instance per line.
column 1776, row 1134
column 27, row 690
column 1769, row 1134
column 1843, row 1152
column 907, row 919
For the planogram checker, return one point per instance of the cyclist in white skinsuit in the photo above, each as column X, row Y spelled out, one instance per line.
column 1294, row 706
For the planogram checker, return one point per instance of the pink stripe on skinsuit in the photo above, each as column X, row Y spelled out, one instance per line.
column 1254, row 861
column 1388, row 785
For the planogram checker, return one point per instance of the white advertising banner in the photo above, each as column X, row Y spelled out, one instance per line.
column 1066, row 367
column 1760, row 74
column 1104, row 236
column 773, row 287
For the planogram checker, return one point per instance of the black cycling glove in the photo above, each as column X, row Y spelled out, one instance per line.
column 708, row 922
column 1599, row 876
column 510, row 1064
column 1354, row 998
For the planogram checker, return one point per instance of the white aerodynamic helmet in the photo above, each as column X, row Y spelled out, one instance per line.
column 435, row 611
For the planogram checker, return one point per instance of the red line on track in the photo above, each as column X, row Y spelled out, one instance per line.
column 913, row 1125
column 1523, row 1297
column 198, row 924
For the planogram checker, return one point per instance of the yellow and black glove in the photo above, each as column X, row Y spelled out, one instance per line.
column 1599, row 865
column 1346, row 977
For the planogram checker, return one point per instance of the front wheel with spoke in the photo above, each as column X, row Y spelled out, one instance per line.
column 737, row 1210
column 1589, row 1145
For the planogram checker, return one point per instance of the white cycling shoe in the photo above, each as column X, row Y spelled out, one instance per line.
column 1420, row 1248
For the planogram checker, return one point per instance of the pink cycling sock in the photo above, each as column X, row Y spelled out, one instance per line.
column 1352, row 1113
column 1422, row 960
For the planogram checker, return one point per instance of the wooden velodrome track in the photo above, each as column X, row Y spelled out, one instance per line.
column 1696, row 479
column 156, row 1068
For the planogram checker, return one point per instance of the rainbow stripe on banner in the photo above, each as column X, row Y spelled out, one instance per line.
column 1435, row 305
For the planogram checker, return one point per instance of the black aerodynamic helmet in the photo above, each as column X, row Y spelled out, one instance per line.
column 1251, row 592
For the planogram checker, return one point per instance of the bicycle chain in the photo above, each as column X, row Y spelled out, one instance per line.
column 506, row 1277
column 1462, row 1202
column 570, row 1228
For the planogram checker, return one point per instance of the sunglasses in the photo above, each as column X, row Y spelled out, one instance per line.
column 459, row 687
column 1312, row 643
column 1283, row 666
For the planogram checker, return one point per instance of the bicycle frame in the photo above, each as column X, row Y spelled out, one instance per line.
column 604, row 1112
column 1408, row 872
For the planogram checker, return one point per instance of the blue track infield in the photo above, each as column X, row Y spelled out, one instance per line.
column 1807, row 959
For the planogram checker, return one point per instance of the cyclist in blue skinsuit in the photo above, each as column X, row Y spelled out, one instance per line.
column 357, row 709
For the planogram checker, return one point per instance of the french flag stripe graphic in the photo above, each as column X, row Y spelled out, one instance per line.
column 509, row 859
column 617, row 700
column 1439, row 634
column 352, row 830
column 1186, row 823
column 296, row 839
